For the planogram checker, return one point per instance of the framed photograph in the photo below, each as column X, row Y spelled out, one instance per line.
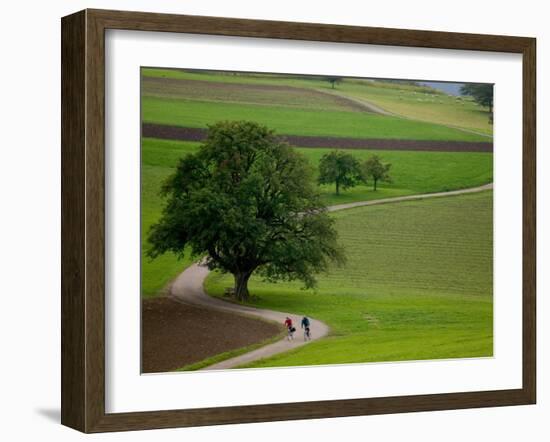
column 268, row 221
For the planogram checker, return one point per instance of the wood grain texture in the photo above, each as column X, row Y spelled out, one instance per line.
column 73, row 252
column 95, row 221
column 144, row 21
column 83, row 220
column 529, row 220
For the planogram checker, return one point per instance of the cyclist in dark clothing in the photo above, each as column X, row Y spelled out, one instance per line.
column 306, row 326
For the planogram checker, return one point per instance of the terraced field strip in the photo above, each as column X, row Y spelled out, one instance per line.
column 415, row 102
column 376, row 109
column 197, row 134
column 296, row 121
column 255, row 94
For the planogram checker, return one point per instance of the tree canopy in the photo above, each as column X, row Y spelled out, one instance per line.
column 340, row 168
column 374, row 169
column 246, row 202
column 482, row 94
column 333, row 80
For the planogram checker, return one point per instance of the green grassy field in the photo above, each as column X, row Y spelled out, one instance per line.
column 291, row 121
column 158, row 161
column 413, row 173
column 423, row 105
column 234, row 77
column 417, row 285
column 414, row 102
column 418, row 280
column 255, row 94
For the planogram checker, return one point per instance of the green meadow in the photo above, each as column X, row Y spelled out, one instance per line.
column 251, row 94
column 228, row 77
column 412, row 172
column 410, row 101
column 156, row 165
column 291, row 121
column 417, row 285
column 422, row 105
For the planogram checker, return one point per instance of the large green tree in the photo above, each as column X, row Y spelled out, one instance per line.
column 374, row 169
column 247, row 202
column 340, row 168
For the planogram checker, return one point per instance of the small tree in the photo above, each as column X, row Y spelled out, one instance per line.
column 339, row 168
column 248, row 203
column 374, row 168
column 481, row 93
column 333, row 81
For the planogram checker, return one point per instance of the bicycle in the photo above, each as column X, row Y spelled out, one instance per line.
column 307, row 334
column 290, row 335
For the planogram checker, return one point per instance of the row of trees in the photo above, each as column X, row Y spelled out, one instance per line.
column 344, row 170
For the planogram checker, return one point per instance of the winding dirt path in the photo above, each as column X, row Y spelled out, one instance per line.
column 409, row 198
column 367, row 106
column 189, row 288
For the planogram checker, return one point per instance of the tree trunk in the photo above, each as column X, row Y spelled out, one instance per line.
column 241, row 285
column 337, row 188
column 375, row 180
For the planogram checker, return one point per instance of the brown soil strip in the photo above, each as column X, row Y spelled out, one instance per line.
column 199, row 134
column 176, row 334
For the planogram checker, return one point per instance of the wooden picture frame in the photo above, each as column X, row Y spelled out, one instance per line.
column 83, row 220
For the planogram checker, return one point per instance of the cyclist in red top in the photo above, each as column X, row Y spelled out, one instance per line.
column 290, row 328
